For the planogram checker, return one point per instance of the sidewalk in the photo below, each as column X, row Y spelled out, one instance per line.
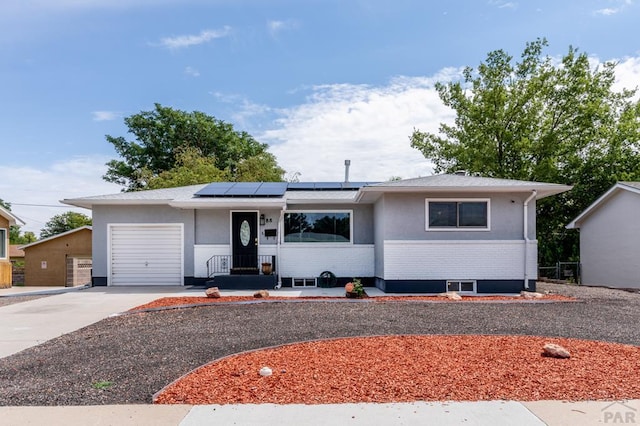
column 554, row 413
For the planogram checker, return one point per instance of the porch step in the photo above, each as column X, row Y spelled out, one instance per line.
column 243, row 282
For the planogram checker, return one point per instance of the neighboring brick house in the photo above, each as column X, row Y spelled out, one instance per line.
column 60, row 260
column 7, row 219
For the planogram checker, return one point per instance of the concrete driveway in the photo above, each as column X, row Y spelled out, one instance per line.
column 33, row 322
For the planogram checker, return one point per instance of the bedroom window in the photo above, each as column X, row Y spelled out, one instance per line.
column 3, row 243
column 317, row 227
column 472, row 214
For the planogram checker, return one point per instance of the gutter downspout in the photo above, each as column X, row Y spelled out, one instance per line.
column 526, row 237
column 279, row 260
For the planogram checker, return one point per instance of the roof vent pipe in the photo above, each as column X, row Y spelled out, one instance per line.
column 347, row 163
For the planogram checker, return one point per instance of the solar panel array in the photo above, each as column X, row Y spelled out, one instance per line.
column 272, row 189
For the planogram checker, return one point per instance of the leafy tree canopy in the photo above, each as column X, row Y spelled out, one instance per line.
column 540, row 120
column 64, row 222
column 162, row 137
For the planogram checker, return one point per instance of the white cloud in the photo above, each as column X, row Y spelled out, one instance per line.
column 105, row 115
column 620, row 5
column 368, row 125
column 244, row 112
column 501, row 4
column 39, row 188
column 275, row 27
column 607, row 11
column 189, row 40
column 192, row 72
column 628, row 74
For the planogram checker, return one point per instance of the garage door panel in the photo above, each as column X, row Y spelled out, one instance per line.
column 146, row 254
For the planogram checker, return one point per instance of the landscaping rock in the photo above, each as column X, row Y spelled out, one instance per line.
column 555, row 351
column 213, row 292
column 531, row 295
column 451, row 295
column 261, row 294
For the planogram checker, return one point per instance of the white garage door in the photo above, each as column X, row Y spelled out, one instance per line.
column 144, row 254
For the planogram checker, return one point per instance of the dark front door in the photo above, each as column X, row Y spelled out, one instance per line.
column 244, row 228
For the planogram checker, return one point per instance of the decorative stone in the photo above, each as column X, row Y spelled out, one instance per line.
column 451, row 295
column 212, row 292
column 531, row 295
column 265, row 372
column 261, row 294
column 555, row 351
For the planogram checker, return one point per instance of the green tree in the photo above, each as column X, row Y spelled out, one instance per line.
column 64, row 222
column 191, row 168
column 535, row 120
column 162, row 133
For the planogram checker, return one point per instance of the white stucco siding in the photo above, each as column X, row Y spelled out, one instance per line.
column 437, row 260
column 610, row 243
column 309, row 260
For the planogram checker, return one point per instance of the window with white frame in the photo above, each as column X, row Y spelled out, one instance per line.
column 462, row 286
column 448, row 214
column 3, row 243
column 317, row 227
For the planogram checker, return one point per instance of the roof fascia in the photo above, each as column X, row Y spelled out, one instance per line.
column 53, row 237
column 12, row 218
column 575, row 223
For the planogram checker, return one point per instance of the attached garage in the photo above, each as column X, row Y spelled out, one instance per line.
column 146, row 254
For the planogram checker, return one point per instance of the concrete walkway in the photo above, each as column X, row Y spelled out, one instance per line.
column 30, row 323
column 554, row 413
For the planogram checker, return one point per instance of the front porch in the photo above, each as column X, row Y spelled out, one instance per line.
column 235, row 272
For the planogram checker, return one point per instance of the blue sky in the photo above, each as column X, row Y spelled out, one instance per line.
column 318, row 80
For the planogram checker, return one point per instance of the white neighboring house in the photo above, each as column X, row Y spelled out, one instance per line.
column 428, row 234
column 610, row 238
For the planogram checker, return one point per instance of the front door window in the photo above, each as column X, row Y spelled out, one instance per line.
column 245, row 233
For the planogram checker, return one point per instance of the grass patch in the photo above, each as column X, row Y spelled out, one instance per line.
column 102, row 385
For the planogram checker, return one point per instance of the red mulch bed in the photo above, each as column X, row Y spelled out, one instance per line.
column 415, row 368
column 190, row 300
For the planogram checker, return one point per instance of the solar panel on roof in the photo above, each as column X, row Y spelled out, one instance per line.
column 271, row 189
column 301, row 185
column 243, row 189
column 215, row 189
column 320, row 186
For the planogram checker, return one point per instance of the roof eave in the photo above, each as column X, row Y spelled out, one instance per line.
column 87, row 203
column 543, row 191
column 53, row 237
column 619, row 186
column 12, row 218
column 213, row 203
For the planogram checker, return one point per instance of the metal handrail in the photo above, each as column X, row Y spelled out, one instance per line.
column 223, row 263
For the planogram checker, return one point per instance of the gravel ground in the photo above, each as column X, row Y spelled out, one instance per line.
column 10, row 300
column 141, row 353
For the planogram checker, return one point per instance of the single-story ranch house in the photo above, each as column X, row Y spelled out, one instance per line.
column 610, row 238
column 429, row 234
